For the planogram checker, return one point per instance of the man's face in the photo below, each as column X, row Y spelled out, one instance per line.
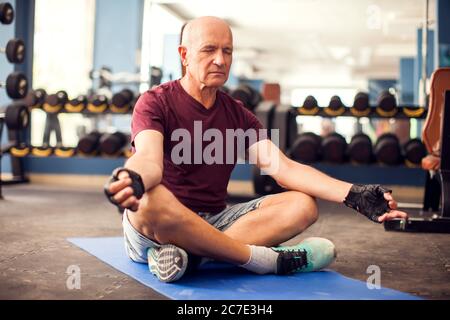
column 210, row 55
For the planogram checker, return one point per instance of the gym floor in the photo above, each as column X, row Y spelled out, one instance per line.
column 36, row 219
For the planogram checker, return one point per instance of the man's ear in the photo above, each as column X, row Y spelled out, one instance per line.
column 182, row 51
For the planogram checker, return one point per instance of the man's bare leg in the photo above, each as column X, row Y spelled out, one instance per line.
column 279, row 218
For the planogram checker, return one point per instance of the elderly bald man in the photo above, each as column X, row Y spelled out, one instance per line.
column 175, row 204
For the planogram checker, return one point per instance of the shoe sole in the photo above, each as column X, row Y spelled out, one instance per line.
column 163, row 265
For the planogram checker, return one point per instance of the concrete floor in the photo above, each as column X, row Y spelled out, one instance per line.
column 36, row 219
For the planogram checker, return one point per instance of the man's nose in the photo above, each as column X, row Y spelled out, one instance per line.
column 219, row 58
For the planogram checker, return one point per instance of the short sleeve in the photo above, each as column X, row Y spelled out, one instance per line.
column 252, row 122
column 147, row 115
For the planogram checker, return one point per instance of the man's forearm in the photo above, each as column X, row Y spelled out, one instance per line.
column 296, row 176
column 149, row 170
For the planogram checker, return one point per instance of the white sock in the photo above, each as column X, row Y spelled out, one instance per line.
column 262, row 260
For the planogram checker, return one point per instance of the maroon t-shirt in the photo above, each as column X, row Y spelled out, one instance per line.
column 202, row 187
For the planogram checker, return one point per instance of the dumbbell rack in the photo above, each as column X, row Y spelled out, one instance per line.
column 16, row 88
column 107, row 111
column 400, row 112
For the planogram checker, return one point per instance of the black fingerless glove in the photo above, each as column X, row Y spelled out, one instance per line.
column 368, row 200
column 136, row 184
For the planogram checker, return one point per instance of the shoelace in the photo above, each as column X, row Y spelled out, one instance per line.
column 292, row 260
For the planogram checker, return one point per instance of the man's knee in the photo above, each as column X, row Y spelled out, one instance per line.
column 158, row 205
column 305, row 208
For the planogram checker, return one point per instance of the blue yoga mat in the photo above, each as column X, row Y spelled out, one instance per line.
column 219, row 281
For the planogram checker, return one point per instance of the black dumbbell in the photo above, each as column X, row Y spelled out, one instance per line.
column 121, row 101
column 361, row 105
column 335, row 107
column 20, row 150
column 88, row 144
column 111, row 144
column 360, row 150
column 387, row 149
column 55, row 102
column 17, row 116
column 309, row 106
column 77, row 104
column 42, row 151
column 248, row 96
column 414, row 151
column 97, row 103
column 306, row 148
column 386, row 104
column 264, row 184
column 334, row 148
column 15, row 51
column 16, row 85
column 35, row 98
column 6, row 13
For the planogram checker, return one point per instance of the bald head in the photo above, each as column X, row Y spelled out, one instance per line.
column 206, row 51
column 195, row 30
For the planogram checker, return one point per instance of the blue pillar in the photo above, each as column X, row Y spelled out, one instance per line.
column 442, row 38
column 117, row 42
column 171, row 59
column 406, row 81
column 118, row 34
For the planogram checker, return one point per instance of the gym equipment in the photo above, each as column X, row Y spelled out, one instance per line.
column 247, row 95
column 359, row 150
column 64, row 152
column 112, row 144
column 334, row 148
column 77, row 104
column 16, row 85
column 221, row 281
column 98, row 103
column 6, row 13
column 335, row 107
column 361, row 107
column 414, row 151
column 264, row 112
column 17, row 116
column 264, row 184
column 88, row 144
column 306, row 148
column 122, row 101
column 387, row 150
column 15, row 51
column 35, row 98
column 436, row 137
column 20, row 150
column 42, row 151
column 17, row 120
column 309, row 107
column 386, row 104
column 55, row 102
column 284, row 120
column 413, row 112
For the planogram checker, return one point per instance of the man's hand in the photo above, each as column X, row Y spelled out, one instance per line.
column 373, row 201
column 124, row 189
column 393, row 213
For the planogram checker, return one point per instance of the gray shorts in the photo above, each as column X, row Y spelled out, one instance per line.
column 136, row 244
